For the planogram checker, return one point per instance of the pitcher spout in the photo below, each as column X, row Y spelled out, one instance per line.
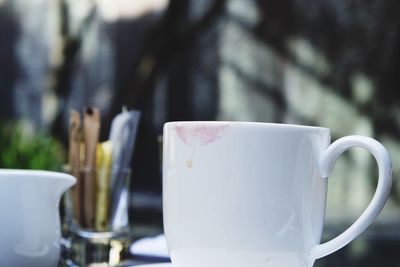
column 62, row 183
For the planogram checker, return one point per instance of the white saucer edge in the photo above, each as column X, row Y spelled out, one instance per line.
column 168, row 264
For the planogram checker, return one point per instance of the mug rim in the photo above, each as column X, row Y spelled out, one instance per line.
column 249, row 123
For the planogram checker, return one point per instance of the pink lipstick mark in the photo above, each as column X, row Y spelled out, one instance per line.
column 209, row 134
column 204, row 134
column 182, row 134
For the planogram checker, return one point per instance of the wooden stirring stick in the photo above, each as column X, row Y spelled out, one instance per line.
column 74, row 161
column 91, row 125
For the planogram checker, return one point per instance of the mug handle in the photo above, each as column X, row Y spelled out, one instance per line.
column 326, row 163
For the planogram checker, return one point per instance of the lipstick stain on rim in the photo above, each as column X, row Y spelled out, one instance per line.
column 203, row 134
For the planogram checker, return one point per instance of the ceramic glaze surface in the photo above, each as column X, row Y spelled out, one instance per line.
column 30, row 223
column 243, row 194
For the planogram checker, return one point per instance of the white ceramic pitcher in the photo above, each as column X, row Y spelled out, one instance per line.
column 29, row 217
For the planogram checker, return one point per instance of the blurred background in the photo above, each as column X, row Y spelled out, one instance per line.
column 331, row 63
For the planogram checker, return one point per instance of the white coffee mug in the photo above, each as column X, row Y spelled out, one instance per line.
column 242, row 194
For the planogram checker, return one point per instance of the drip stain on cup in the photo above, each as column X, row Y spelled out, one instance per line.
column 189, row 163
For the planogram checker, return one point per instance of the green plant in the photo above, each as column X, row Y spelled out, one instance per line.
column 23, row 149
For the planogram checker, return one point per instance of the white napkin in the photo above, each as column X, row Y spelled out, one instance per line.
column 151, row 246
